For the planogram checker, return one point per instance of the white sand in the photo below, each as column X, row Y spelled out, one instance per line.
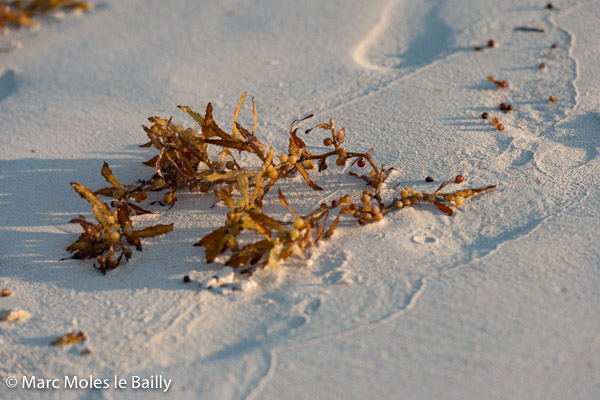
column 499, row 301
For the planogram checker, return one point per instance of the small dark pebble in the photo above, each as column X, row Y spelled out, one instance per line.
column 478, row 48
column 509, row 108
column 549, row 6
column 186, row 279
column 490, row 43
column 429, row 179
column 502, row 106
column 554, row 45
column 485, row 115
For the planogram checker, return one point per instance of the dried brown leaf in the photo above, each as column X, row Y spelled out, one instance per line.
column 109, row 176
column 153, row 231
column 304, row 174
column 443, row 207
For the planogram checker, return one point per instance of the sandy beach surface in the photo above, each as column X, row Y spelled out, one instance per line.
column 499, row 301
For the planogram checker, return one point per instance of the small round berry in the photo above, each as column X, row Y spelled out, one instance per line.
column 356, row 214
column 485, row 115
column 283, row 158
column 346, row 199
column 186, row 279
column 404, row 194
column 352, row 207
column 406, row 202
column 459, row 179
column 361, row 163
column 309, row 164
column 368, row 217
column 127, row 230
column 334, row 203
column 299, row 223
column 375, row 210
column 503, row 84
column 495, row 121
column 398, row 204
column 366, row 208
column 340, row 161
column 490, row 43
column 295, row 233
column 429, row 179
column 114, row 236
column 502, row 106
column 372, row 174
column 552, row 99
column 327, row 141
column 500, row 127
column 509, row 108
column 365, row 198
column 230, row 215
column 378, row 216
column 459, row 200
column 292, row 159
column 413, row 201
column 542, row 66
column 324, row 206
column 141, row 196
column 5, row 292
column 168, row 197
column 361, row 221
column 273, row 174
column 341, row 153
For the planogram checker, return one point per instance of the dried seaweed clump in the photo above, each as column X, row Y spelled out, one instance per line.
column 22, row 12
column 110, row 238
column 204, row 159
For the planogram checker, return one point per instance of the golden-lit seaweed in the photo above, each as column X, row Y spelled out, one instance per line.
column 23, row 12
column 110, row 238
column 204, row 159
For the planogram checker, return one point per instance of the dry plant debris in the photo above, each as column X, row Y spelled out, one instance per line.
column 69, row 338
column 22, row 12
column 110, row 238
column 204, row 159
